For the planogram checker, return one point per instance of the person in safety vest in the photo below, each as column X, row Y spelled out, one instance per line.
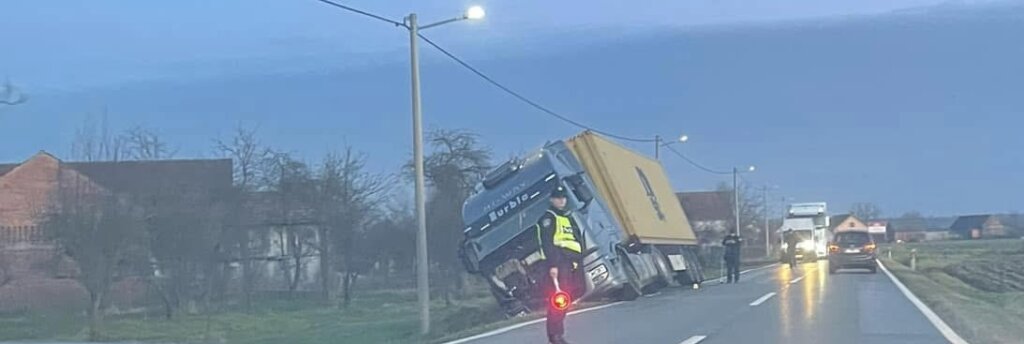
column 562, row 247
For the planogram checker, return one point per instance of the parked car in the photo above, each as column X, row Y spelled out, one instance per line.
column 852, row 249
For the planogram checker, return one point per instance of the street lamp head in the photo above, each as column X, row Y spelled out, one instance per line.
column 683, row 138
column 751, row 168
column 475, row 12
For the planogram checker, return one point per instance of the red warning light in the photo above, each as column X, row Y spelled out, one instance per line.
column 561, row 301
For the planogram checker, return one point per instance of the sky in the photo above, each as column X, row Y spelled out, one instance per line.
column 911, row 105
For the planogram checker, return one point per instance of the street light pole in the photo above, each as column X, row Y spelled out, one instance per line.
column 657, row 147
column 658, row 143
column 767, row 236
column 422, row 263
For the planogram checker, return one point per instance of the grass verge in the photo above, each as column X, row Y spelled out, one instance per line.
column 968, row 284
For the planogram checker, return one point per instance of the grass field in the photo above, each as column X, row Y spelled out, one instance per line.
column 381, row 316
column 376, row 315
column 977, row 286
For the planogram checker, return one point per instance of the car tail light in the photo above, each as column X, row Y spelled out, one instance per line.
column 869, row 247
column 561, row 301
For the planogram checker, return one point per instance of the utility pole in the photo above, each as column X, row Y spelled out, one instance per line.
column 422, row 262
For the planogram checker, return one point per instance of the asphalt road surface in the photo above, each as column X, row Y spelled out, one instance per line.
column 770, row 305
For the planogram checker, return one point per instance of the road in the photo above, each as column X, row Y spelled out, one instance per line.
column 770, row 305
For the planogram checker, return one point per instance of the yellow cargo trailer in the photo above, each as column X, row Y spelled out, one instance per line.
column 636, row 189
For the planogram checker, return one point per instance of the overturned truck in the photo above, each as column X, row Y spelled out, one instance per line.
column 637, row 238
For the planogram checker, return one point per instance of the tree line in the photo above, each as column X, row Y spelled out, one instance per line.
column 202, row 250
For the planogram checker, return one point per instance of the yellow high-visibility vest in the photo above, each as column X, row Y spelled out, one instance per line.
column 564, row 237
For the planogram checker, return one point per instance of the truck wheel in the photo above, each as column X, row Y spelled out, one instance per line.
column 693, row 273
column 664, row 271
column 631, row 290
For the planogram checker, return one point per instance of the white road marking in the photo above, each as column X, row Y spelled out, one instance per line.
column 762, row 299
column 535, row 321
column 796, row 280
column 940, row 325
column 524, row 324
column 693, row 340
column 759, row 268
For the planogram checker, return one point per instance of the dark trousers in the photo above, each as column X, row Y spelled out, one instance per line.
column 569, row 280
column 732, row 269
column 555, row 322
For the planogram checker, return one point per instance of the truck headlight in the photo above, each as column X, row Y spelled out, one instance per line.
column 806, row 245
column 598, row 274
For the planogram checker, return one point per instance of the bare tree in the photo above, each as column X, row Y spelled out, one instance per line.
column 346, row 197
column 866, row 211
column 101, row 232
column 94, row 142
column 912, row 215
column 248, row 155
column 390, row 240
column 455, row 165
column 185, row 226
column 293, row 187
column 144, row 144
column 10, row 95
column 751, row 212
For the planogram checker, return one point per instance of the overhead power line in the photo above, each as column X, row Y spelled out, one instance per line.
column 526, row 100
column 368, row 14
column 694, row 163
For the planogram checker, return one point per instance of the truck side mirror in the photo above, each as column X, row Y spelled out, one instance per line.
column 580, row 189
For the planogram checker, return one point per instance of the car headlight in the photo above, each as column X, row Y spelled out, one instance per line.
column 598, row 274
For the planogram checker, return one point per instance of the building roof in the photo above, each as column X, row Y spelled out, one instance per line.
column 706, row 205
column 152, row 176
column 836, row 220
column 966, row 223
column 140, row 177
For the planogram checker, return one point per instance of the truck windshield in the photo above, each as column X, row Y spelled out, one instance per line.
column 802, row 235
column 509, row 228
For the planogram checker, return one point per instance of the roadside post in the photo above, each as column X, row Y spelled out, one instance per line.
column 913, row 259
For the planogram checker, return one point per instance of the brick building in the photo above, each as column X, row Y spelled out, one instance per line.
column 32, row 274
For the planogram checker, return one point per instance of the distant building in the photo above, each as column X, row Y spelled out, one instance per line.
column 978, row 227
column 283, row 236
column 839, row 223
column 709, row 212
column 878, row 230
column 914, row 229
